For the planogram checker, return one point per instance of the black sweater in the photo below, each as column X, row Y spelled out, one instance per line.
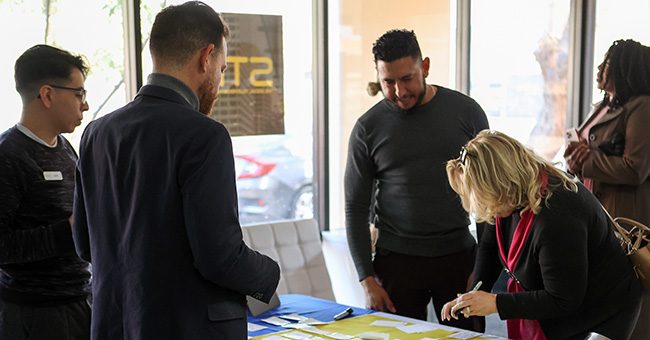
column 38, row 263
column 404, row 153
column 574, row 272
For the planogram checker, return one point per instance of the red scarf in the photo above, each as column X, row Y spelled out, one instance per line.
column 519, row 329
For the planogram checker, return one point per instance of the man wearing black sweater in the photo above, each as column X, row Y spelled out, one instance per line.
column 43, row 283
column 424, row 250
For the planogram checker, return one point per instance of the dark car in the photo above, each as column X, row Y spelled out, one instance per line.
column 273, row 182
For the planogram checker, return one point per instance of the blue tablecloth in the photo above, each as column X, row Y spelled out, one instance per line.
column 311, row 307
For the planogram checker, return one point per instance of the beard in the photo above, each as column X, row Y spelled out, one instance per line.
column 422, row 94
column 418, row 101
column 207, row 96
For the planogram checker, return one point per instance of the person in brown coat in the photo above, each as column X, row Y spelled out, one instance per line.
column 613, row 154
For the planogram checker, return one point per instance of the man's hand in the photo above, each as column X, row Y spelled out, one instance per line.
column 376, row 296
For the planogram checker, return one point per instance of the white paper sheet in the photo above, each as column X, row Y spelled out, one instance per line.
column 253, row 327
column 296, row 335
column 274, row 320
column 464, row 335
column 293, row 317
column 386, row 323
column 417, row 328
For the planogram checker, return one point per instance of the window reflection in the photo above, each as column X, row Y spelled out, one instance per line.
column 266, row 102
column 519, row 69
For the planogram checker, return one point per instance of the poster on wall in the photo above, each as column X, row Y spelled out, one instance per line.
column 251, row 98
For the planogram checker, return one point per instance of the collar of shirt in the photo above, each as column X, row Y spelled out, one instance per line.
column 27, row 132
column 167, row 81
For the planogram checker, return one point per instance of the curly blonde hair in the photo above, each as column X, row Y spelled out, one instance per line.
column 497, row 174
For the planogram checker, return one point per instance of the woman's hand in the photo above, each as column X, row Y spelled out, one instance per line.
column 477, row 303
column 575, row 156
column 445, row 313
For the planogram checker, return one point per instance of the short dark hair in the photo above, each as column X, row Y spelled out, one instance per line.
column 629, row 70
column 43, row 63
column 396, row 44
column 179, row 31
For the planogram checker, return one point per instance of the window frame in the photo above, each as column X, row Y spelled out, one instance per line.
column 582, row 21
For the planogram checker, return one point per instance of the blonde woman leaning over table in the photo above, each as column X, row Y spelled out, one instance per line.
column 613, row 159
column 569, row 276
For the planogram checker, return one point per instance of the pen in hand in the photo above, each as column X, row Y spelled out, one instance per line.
column 476, row 288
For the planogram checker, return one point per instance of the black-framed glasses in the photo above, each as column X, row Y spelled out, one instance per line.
column 463, row 155
column 80, row 91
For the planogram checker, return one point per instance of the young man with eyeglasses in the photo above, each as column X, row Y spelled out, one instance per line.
column 44, row 285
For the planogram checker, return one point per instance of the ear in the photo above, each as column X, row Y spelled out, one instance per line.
column 425, row 67
column 45, row 95
column 204, row 57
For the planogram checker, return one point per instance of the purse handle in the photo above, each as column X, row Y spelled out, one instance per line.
column 626, row 235
column 642, row 231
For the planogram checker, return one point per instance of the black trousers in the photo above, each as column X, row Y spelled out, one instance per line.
column 413, row 281
column 66, row 322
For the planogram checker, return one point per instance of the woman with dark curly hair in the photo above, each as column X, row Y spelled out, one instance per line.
column 613, row 155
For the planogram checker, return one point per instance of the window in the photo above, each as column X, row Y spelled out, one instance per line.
column 353, row 28
column 266, row 102
column 519, row 61
column 615, row 21
column 97, row 34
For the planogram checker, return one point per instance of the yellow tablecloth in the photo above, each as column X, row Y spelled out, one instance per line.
column 357, row 325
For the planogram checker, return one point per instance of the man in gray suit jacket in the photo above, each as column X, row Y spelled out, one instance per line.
column 156, row 207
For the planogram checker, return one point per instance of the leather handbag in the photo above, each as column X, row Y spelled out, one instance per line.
column 634, row 237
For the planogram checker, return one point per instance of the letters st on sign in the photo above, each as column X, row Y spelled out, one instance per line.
column 251, row 98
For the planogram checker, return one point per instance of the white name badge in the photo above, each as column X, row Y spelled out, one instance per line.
column 53, row 175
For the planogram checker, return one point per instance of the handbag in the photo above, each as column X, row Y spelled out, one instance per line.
column 635, row 240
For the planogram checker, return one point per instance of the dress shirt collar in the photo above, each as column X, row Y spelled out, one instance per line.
column 167, row 81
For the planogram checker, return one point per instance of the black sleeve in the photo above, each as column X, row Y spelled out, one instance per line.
column 22, row 245
column 487, row 266
column 358, row 181
column 80, row 221
column 480, row 120
column 207, row 180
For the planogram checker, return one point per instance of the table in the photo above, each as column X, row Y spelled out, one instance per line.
column 355, row 324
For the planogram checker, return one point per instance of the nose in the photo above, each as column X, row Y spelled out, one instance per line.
column 84, row 106
column 399, row 89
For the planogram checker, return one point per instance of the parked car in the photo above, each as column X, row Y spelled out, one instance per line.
column 273, row 181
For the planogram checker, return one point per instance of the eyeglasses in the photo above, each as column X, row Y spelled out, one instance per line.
column 80, row 92
column 463, row 155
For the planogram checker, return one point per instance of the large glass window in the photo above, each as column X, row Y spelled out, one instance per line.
column 519, row 61
column 93, row 29
column 265, row 101
column 615, row 21
column 353, row 28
